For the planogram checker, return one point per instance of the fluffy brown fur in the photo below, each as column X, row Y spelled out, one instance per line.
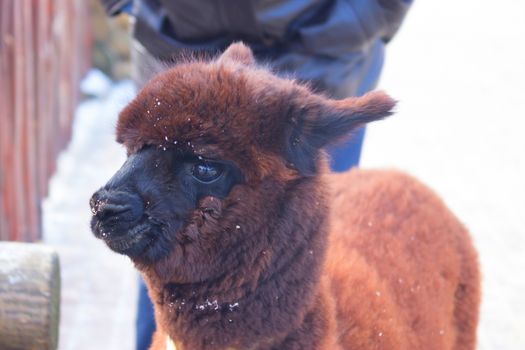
column 294, row 257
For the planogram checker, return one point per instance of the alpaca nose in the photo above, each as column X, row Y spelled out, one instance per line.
column 106, row 210
column 116, row 207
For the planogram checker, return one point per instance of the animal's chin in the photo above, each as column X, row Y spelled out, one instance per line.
column 143, row 243
column 135, row 242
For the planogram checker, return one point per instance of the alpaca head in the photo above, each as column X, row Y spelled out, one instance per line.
column 213, row 149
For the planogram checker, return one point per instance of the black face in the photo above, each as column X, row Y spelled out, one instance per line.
column 141, row 209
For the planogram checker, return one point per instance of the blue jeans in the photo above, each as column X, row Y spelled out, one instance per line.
column 347, row 155
column 145, row 322
column 343, row 158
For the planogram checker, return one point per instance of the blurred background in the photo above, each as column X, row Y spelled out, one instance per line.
column 456, row 68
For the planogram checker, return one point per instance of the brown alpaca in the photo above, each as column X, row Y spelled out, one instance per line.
column 245, row 240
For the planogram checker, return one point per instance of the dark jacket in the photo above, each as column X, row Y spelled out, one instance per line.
column 337, row 45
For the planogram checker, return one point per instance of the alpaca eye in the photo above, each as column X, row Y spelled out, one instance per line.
column 206, row 172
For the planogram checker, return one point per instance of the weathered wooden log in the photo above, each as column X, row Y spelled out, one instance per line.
column 29, row 297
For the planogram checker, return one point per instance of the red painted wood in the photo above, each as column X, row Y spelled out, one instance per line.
column 44, row 50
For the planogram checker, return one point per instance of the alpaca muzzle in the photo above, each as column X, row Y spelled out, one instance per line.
column 118, row 219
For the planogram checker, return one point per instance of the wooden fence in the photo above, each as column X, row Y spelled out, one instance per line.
column 44, row 50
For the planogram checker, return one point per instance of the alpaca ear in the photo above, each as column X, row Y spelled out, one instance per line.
column 238, row 52
column 320, row 122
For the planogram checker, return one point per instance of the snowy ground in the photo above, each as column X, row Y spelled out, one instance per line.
column 457, row 69
column 99, row 287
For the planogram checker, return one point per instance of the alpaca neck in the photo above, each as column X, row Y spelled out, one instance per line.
column 252, row 308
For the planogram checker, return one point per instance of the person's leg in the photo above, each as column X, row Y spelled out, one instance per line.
column 347, row 155
column 145, row 322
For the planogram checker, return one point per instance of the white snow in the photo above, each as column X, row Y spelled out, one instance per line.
column 96, row 84
column 233, row 306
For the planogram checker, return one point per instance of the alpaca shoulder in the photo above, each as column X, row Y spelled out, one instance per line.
column 393, row 255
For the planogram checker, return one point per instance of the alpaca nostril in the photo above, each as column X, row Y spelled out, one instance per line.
column 116, row 211
column 110, row 207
